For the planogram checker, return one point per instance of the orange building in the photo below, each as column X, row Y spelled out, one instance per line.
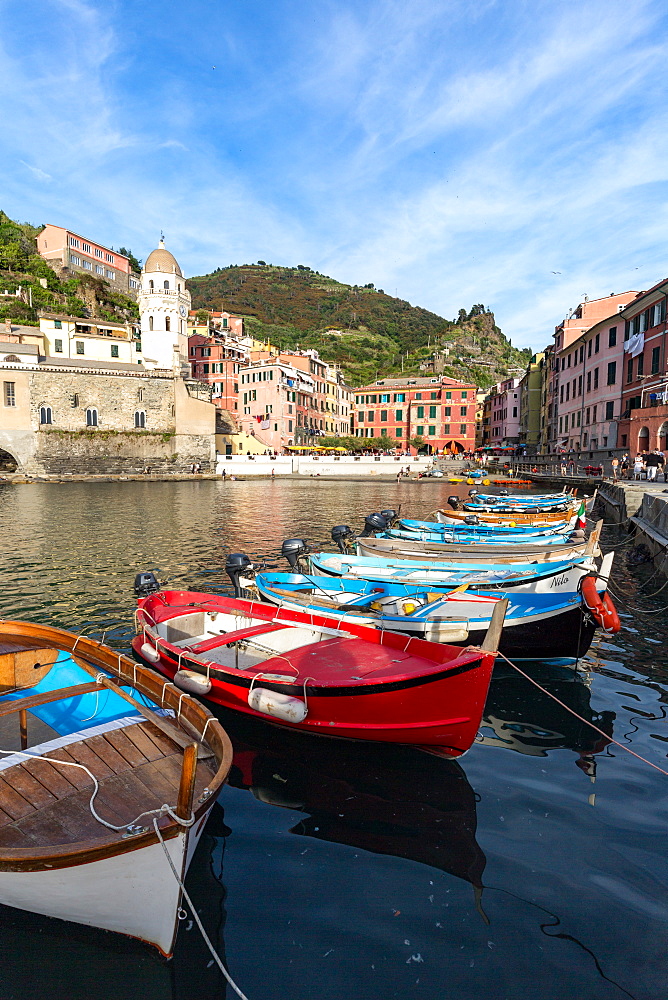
column 440, row 410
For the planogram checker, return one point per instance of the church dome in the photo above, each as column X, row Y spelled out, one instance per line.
column 162, row 260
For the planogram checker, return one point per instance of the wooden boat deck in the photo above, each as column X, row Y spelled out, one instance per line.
column 138, row 767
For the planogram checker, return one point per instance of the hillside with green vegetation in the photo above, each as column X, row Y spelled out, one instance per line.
column 22, row 268
column 369, row 333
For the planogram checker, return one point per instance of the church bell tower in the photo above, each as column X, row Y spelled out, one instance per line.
column 164, row 303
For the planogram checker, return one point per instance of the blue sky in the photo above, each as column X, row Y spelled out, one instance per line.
column 450, row 152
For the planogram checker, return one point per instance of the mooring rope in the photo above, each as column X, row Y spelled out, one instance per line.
column 580, row 717
column 207, row 940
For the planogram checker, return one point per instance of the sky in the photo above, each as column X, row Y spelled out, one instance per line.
column 508, row 153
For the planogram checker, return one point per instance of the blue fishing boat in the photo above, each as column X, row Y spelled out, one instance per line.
column 536, row 624
column 454, row 531
column 500, row 538
column 534, row 577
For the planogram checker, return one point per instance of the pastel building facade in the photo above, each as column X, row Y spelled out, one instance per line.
column 68, row 251
column 644, row 397
column 501, row 415
column 530, row 405
column 588, row 313
column 439, row 409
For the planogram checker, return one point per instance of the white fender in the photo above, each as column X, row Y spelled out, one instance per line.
column 149, row 652
column 280, row 706
column 192, row 681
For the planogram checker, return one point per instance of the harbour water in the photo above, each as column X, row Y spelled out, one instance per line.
column 532, row 869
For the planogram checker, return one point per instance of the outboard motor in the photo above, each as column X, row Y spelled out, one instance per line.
column 471, row 519
column 577, row 535
column 473, row 493
column 294, row 549
column 236, row 564
column 454, row 502
column 390, row 516
column 145, row 584
column 342, row 535
column 504, row 493
column 372, row 523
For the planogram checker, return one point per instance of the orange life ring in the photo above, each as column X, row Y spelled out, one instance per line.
column 600, row 606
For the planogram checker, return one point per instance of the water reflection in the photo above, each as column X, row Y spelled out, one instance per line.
column 520, row 717
column 386, row 800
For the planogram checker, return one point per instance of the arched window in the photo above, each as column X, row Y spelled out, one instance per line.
column 45, row 415
column 140, row 418
column 140, row 395
column 179, row 286
column 165, row 284
column 150, row 284
column 91, row 417
column 150, row 322
column 663, row 436
column 167, row 323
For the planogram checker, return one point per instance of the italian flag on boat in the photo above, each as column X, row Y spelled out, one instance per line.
column 581, row 517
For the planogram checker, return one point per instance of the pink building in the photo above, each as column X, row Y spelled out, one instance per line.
column 71, row 252
column 274, row 402
column 574, row 371
column 501, row 415
column 644, row 422
column 589, row 387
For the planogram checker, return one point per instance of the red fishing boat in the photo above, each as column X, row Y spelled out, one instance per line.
column 303, row 671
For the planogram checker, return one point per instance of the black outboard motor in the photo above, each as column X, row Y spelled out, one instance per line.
column 342, row 535
column 473, row 493
column 236, row 564
column 504, row 493
column 390, row 516
column 372, row 523
column 454, row 502
column 471, row 519
column 145, row 584
column 294, row 549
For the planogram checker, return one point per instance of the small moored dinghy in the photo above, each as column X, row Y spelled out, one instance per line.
column 88, row 816
column 305, row 670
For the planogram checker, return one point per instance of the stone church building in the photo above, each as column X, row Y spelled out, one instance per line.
column 91, row 396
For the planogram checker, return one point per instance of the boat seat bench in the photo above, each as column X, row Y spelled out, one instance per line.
column 225, row 638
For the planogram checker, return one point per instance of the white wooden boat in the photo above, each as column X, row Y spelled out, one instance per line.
column 84, row 832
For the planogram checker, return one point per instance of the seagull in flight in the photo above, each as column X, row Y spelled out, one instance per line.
column 556, row 272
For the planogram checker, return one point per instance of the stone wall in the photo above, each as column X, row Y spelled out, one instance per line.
column 115, row 397
column 166, row 443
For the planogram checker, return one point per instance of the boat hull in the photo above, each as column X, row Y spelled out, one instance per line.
column 412, row 713
column 528, row 632
column 431, row 552
column 133, row 893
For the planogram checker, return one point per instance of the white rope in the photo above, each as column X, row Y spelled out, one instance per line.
column 207, row 940
column 162, row 811
column 99, row 677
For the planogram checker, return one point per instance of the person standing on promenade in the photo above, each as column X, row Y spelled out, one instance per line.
column 652, row 465
column 625, row 466
column 615, row 464
column 638, row 466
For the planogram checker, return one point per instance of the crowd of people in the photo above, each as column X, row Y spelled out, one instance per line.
column 646, row 465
